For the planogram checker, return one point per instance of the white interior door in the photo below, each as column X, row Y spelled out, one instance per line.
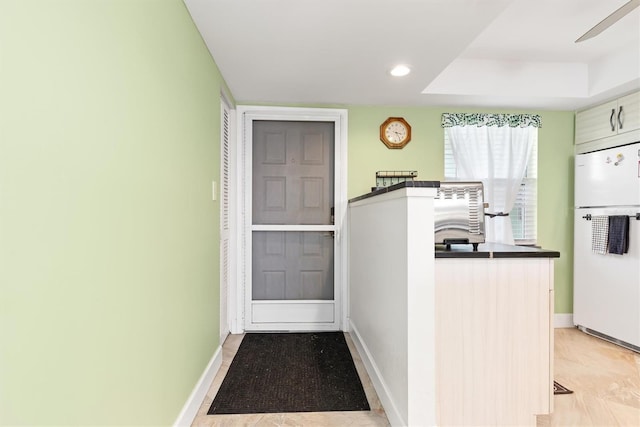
column 225, row 216
column 291, row 238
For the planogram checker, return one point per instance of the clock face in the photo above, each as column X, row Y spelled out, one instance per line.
column 395, row 132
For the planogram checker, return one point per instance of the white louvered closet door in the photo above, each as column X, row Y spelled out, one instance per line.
column 225, row 250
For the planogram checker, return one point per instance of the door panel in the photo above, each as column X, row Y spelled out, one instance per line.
column 595, row 123
column 292, row 172
column 606, row 287
column 595, row 172
column 292, row 234
column 225, row 223
column 301, row 313
column 292, row 265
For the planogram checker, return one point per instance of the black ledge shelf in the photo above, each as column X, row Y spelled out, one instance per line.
column 494, row 250
column 405, row 184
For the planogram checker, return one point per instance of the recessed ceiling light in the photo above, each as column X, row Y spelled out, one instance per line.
column 400, row 71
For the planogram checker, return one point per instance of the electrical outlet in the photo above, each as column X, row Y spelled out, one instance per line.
column 213, row 191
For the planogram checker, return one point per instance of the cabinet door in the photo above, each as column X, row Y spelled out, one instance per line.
column 597, row 122
column 494, row 335
column 629, row 118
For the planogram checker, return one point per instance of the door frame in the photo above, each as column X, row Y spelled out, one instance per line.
column 245, row 117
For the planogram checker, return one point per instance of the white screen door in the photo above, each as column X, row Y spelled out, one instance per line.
column 292, row 238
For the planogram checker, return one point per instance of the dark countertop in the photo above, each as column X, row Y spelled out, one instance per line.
column 494, row 250
column 485, row 250
column 405, row 184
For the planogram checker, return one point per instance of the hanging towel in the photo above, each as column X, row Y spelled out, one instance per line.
column 618, row 234
column 599, row 233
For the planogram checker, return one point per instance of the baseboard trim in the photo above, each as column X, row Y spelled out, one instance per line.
column 563, row 320
column 192, row 405
column 391, row 410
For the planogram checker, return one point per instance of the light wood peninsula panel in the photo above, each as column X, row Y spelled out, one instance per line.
column 494, row 340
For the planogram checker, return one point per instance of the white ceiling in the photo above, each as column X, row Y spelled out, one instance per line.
column 482, row 53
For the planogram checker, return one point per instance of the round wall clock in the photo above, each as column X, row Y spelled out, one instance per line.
column 395, row 132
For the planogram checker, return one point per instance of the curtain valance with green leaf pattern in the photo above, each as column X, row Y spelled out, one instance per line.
column 483, row 119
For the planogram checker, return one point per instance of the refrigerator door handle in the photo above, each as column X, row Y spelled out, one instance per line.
column 588, row 217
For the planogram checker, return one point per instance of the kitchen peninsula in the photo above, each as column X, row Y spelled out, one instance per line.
column 448, row 337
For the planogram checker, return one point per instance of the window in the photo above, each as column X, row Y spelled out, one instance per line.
column 525, row 211
column 523, row 215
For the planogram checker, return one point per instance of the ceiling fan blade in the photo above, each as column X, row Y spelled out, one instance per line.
column 610, row 20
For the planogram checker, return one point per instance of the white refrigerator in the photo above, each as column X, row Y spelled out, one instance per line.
column 606, row 286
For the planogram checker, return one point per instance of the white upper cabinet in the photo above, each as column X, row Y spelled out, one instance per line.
column 629, row 111
column 610, row 119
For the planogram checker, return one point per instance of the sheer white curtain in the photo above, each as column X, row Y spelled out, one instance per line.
column 497, row 155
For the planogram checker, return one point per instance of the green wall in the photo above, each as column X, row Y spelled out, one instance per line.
column 425, row 153
column 109, row 141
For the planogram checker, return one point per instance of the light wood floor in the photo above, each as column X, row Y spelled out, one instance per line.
column 604, row 377
column 605, row 380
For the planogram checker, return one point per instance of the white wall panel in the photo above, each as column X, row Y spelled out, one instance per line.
column 391, row 284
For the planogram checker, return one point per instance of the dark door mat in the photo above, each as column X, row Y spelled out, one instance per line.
column 291, row 372
column 560, row 389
